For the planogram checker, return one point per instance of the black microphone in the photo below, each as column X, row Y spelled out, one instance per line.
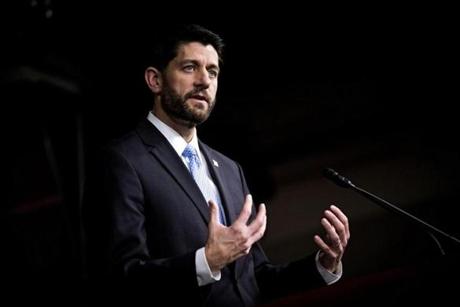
column 344, row 182
column 330, row 174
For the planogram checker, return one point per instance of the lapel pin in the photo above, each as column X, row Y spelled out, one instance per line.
column 215, row 163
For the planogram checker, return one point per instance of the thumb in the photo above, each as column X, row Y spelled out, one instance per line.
column 214, row 213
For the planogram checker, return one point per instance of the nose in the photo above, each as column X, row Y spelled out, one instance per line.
column 202, row 78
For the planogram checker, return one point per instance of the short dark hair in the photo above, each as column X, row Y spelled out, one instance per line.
column 165, row 46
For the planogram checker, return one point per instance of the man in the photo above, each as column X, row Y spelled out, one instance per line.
column 182, row 225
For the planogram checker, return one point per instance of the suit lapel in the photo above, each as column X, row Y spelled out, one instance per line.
column 218, row 176
column 160, row 148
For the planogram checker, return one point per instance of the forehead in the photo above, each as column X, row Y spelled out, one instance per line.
column 198, row 52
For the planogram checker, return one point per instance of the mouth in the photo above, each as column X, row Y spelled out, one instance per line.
column 200, row 98
column 200, row 101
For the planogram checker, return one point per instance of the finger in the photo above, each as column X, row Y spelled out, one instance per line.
column 249, row 238
column 256, row 236
column 338, row 225
column 324, row 247
column 244, row 252
column 342, row 217
column 258, row 222
column 246, row 211
column 334, row 239
column 214, row 213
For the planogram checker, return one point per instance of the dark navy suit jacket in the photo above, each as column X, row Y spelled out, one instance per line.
column 155, row 218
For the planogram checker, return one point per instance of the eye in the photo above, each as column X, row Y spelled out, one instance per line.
column 213, row 73
column 189, row 68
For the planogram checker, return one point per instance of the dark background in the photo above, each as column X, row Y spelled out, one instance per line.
column 371, row 94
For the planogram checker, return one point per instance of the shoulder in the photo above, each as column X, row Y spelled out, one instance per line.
column 144, row 136
column 124, row 142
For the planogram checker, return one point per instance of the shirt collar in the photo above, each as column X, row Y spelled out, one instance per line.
column 174, row 138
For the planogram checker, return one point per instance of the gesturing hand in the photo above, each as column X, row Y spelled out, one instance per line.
column 335, row 223
column 226, row 244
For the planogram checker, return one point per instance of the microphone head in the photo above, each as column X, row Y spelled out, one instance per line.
column 332, row 175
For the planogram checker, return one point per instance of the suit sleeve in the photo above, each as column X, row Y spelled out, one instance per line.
column 126, row 240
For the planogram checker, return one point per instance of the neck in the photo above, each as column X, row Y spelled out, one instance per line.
column 185, row 129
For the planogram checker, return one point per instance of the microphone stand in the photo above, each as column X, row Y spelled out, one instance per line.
column 346, row 183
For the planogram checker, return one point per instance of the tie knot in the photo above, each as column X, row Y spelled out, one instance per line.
column 189, row 152
column 191, row 155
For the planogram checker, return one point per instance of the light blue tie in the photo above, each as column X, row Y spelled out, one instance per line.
column 192, row 160
column 194, row 164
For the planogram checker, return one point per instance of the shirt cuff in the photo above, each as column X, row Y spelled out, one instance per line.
column 328, row 277
column 204, row 275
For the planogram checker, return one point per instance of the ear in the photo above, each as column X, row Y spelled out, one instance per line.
column 153, row 79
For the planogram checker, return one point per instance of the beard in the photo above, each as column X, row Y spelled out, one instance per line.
column 177, row 108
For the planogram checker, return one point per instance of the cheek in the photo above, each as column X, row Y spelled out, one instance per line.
column 181, row 91
column 213, row 89
column 180, row 86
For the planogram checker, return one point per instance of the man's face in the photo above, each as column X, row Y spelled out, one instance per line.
column 190, row 84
